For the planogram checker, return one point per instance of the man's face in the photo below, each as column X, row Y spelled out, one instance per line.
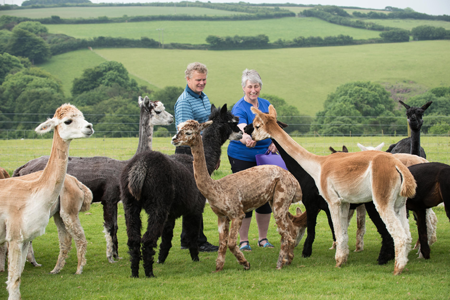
column 197, row 82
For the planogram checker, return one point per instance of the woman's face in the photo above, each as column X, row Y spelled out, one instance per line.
column 251, row 90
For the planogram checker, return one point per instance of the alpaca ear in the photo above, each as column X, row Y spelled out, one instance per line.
column 332, row 150
column 344, row 149
column 281, row 124
column 47, row 126
column 379, row 147
column 404, row 104
column 361, row 147
column 255, row 110
column 426, row 105
column 224, row 109
column 213, row 107
column 205, row 125
column 272, row 111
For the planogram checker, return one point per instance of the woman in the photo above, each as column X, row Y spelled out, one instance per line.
column 241, row 154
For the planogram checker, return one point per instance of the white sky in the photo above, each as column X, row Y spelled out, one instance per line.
column 432, row 7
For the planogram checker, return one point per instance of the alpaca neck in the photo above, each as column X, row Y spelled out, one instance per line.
column 145, row 133
column 212, row 147
column 202, row 177
column 308, row 161
column 415, row 142
column 52, row 177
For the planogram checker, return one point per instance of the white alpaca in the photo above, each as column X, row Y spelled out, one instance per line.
column 25, row 202
column 345, row 178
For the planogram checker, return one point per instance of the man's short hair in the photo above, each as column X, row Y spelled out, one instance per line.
column 195, row 66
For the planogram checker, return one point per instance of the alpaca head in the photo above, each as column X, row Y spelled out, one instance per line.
column 188, row 132
column 377, row 148
column 264, row 123
column 228, row 123
column 154, row 112
column 415, row 114
column 69, row 123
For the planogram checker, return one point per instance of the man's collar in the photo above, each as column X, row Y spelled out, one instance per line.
column 193, row 94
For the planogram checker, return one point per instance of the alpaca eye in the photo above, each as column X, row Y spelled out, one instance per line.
column 157, row 112
column 68, row 122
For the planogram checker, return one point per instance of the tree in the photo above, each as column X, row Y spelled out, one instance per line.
column 5, row 35
column 395, row 35
column 107, row 74
column 9, row 64
column 33, row 27
column 425, row 32
column 27, row 44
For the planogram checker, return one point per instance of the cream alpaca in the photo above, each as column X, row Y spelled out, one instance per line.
column 345, row 178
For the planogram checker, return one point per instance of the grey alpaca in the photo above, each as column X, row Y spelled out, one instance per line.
column 411, row 144
column 164, row 186
column 101, row 174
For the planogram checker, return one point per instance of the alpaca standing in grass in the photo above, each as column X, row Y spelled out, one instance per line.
column 164, row 186
column 101, row 174
column 25, row 202
column 234, row 195
column 345, row 178
column 75, row 197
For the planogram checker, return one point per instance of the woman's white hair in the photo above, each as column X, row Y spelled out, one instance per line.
column 251, row 76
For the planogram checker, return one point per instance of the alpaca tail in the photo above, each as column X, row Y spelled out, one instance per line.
column 136, row 177
column 87, row 199
column 299, row 221
column 408, row 188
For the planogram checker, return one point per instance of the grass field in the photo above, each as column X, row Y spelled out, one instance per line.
column 315, row 277
column 195, row 32
column 114, row 12
column 302, row 76
column 15, row 153
column 409, row 24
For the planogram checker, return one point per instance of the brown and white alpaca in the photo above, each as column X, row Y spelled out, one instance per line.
column 75, row 197
column 25, row 202
column 345, row 178
column 234, row 195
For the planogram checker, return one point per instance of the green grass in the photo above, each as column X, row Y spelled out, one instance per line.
column 408, row 24
column 180, row 278
column 195, row 32
column 114, row 12
column 15, row 153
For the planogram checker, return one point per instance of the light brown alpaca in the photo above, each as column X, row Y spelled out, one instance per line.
column 25, row 202
column 345, row 178
column 233, row 195
column 74, row 197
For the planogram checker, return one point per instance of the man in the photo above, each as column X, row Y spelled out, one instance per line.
column 193, row 104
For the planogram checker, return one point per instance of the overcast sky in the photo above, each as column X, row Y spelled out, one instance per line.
column 432, row 7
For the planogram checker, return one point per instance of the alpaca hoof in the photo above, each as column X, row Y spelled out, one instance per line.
column 111, row 260
column 54, row 272
column 36, row 264
column 150, row 276
column 247, row 266
column 134, row 276
column 333, row 246
column 159, row 261
column 195, row 259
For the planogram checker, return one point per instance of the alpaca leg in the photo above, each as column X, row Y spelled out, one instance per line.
column 339, row 214
column 285, row 229
column 311, row 230
column 65, row 243
column 330, row 224
column 192, row 224
column 133, row 223
column 166, row 240
column 73, row 226
column 3, row 251
column 351, row 212
column 431, row 226
column 30, row 256
column 423, row 235
column 224, row 225
column 361, row 227
column 387, row 251
column 110, row 228
column 17, row 253
column 232, row 242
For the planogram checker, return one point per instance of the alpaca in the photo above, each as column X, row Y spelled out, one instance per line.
column 230, row 201
column 411, row 144
column 74, row 197
column 345, row 178
column 3, row 174
column 433, row 188
column 25, row 202
column 101, row 174
column 164, row 186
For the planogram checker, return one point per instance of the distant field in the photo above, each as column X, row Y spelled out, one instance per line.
column 302, row 76
column 195, row 32
column 409, row 24
column 112, row 12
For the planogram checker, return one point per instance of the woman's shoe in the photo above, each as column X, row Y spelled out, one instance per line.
column 266, row 245
column 246, row 247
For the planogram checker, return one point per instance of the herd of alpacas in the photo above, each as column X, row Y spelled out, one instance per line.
column 385, row 184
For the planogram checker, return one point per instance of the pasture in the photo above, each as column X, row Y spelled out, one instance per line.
column 114, row 12
column 196, row 32
column 303, row 77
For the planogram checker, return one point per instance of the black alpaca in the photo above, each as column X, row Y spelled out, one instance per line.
column 164, row 186
column 101, row 174
column 411, row 144
column 433, row 188
column 314, row 203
